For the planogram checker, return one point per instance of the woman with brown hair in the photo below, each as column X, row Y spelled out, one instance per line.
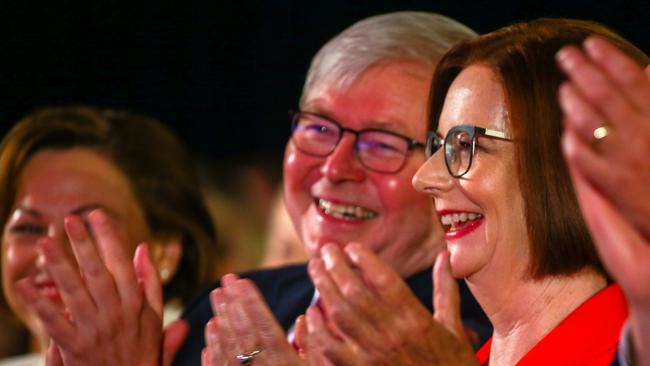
column 63, row 169
column 513, row 226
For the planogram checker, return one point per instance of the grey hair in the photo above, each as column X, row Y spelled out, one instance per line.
column 406, row 35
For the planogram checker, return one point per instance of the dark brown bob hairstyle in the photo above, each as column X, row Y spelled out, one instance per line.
column 523, row 58
column 157, row 165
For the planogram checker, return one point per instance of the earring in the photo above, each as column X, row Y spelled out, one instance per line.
column 164, row 274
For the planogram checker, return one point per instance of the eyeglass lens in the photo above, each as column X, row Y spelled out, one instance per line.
column 377, row 150
column 458, row 151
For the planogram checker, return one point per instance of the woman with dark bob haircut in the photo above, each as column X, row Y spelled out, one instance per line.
column 513, row 226
column 57, row 167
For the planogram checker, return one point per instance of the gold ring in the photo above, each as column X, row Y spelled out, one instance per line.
column 601, row 132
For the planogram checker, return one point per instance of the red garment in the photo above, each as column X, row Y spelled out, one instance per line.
column 588, row 336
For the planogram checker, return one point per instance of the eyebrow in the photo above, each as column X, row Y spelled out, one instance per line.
column 28, row 211
column 372, row 125
column 86, row 209
column 79, row 211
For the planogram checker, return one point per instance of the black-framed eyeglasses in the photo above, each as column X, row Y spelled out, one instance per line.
column 379, row 150
column 460, row 146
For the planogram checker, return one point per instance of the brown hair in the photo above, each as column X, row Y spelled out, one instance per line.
column 157, row 165
column 523, row 57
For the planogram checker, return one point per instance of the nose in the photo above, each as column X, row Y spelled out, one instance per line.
column 56, row 234
column 343, row 164
column 432, row 177
column 59, row 236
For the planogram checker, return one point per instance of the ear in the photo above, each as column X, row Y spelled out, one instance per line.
column 166, row 254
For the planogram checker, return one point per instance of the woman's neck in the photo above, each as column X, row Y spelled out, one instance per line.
column 525, row 310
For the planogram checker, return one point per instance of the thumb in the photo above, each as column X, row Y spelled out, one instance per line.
column 148, row 278
column 446, row 297
column 53, row 356
column 173, row 336
column 301, row 337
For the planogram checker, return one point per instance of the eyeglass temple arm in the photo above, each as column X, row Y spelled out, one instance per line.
column 494, row 133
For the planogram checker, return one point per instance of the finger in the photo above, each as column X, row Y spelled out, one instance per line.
column 97, row 280
column 270, row 336
column 446, row 296
column 226, row 338
column 647, row 71
column 117, row 258
column 69, row 284
column 301, row 336
column 328, row 291
column 243, row 327
column 349, row 283
column 54, row 322
column 597, row 89
column 53, row 356
column 595, row 168
column 353, row 322
column 620, row 247
column 390, row 287
column 606, row 178
column 322, row 344
column 211, row 333
column 174, row 335
column 579, row 115
column 621, row 69
column 148, row 278
column 213, row 351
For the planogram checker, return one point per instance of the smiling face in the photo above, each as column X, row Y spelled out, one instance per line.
column 483, row 210
column 53, row 185
column 336, row 199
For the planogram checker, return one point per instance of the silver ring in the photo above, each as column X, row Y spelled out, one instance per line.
column 601, row 132
column 247, row 358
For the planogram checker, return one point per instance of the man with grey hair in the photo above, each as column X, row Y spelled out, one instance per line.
column 356, row 143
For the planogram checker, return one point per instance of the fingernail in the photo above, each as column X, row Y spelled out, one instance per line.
column 312, row 319
column 565, row 58
column 312, row 265
column 352, row 250
column 228, row 279
column 212, row 331
column 593, row 46
column 97, row 216
column 74, row 226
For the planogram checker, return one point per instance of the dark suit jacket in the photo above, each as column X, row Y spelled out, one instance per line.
column 288, row 292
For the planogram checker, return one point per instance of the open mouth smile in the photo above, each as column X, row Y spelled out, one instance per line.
column 345, row 212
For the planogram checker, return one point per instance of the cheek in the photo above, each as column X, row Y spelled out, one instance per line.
column 300, row 171
column 17, row 262
column 398, row 193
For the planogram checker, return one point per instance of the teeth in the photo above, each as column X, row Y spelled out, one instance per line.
column 455, row 218
column 345, row 212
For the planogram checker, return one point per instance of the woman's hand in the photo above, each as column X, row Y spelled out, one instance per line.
column 113, row 306
column 612, row 176
column 244, row 325
column 370, row 317
column 606, row 88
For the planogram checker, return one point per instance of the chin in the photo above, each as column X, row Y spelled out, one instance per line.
column 460, row 268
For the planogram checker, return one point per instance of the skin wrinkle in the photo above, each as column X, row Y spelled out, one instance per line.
column 86, row 180
column 341, row 178
column 501, row 241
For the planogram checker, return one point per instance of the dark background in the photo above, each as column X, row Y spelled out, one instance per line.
column 221, row 73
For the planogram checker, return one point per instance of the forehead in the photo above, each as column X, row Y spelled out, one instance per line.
column 391, row 96
column 62, row 180
column 475, row 97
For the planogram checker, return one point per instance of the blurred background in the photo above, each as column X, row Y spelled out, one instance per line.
column 222, row 74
